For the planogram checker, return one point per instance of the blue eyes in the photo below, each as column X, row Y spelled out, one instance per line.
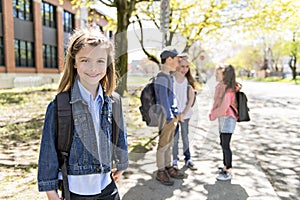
column 98, row 61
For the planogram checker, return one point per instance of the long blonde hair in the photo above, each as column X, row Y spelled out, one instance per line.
column 82, row 37
column 191, row 80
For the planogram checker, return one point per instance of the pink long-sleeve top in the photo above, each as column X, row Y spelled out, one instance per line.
column 224, row 105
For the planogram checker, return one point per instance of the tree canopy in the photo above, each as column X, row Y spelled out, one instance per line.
column 204, row 21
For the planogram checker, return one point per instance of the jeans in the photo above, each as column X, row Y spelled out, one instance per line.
column 184, row 129
column 227, row 154
column 226, row 124
column 165, row 141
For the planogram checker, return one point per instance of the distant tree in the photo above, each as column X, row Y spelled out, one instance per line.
column 248, row 58
column 196, row 20
column 294, row 47
column 280, row 16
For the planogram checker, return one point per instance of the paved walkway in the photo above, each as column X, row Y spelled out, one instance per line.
column 249, row 181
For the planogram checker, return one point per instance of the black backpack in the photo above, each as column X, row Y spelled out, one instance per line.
column 195, row 94
column 242, row 106
column 64, row 132
column 150, row 111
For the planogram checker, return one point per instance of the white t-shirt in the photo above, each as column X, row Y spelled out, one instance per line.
column 180, row 90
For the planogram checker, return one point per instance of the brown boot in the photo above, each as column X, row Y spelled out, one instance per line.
column 163, row 177
column 175, row 173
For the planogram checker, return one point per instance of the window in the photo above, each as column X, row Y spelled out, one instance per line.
column 24, row 53
column 68, row 22
column 48, row 12
column 1, row 52
column 22, row 9
column 50, row 56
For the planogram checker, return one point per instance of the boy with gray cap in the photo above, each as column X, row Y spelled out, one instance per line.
column 167, row 121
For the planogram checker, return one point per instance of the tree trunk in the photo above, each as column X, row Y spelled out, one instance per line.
column 121, row 45
column 295, row 69
column 294, row 73
column 292, row 64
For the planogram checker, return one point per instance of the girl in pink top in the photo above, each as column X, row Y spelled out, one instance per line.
column 224, row 109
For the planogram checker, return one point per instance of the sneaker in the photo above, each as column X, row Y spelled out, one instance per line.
column 175, row 173
column 163, row 177
column 189, row 164
column 175, row 164
column 220, row 170
column 225, row 176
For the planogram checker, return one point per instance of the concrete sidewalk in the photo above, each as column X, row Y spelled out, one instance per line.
column 248, row 182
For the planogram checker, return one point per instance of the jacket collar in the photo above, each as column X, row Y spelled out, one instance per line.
column 76, row 96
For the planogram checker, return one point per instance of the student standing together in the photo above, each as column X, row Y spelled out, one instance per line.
column 89, row 74
column 184, row 85
column 224, row 109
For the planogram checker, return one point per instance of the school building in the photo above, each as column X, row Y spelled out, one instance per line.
column 33, row 39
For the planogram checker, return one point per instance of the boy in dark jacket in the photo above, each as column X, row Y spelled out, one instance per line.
column 168, row 121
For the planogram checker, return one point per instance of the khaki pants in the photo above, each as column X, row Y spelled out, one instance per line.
column 165, row 142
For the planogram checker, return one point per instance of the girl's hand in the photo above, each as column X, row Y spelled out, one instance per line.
column 211, row 117
column 180, row 117
column 53, row 195
column 116, row 174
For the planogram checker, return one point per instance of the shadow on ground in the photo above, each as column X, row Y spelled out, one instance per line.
column 151, row 189
column 225, row 191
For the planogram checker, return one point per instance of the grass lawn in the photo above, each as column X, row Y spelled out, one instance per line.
column 276, row 79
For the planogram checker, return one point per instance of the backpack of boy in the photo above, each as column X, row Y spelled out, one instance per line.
column 242, row 106
column 64, row 132
column 149, row 110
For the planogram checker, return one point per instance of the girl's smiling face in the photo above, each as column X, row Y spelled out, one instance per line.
column 183, row 67
column 91, row 65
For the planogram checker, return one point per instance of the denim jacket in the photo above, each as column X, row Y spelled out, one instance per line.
column 83, row 157
column 164, row 94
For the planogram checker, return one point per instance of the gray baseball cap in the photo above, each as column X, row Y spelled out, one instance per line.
column 168, row 53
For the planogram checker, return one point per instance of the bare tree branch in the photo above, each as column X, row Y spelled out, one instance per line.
column 150, row 56
column 112, row 4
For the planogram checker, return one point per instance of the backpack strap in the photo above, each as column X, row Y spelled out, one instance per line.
column 189, row 87
column 64, row 136
column 64, row 122
column 169, row 82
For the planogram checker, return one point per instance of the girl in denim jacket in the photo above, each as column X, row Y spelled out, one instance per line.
column 89, row 74
column 224, row 109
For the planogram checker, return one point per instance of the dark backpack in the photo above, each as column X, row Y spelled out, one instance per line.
column 64, row 132
column 195, row 94
column 150, row 111
column 242, row 106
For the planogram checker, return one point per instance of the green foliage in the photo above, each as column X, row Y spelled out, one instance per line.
column 279, row 79
column 247, row 58
column 202, row 20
